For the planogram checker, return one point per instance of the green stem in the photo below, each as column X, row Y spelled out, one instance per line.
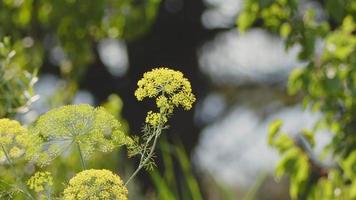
column 7, row 157
column 156, row 133
column 22, row 188
column 82, row 161
column 144, row 162
column 146, row 145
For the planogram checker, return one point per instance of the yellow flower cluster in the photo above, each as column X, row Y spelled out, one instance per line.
column 94, row 129
column 169, row 86
column 39, row 181
column 15, row 141
column 95, row 185
column 170, row 89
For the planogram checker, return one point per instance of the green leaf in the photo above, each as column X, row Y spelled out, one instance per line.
column 287, row 162
column 285, row 30
column 294, row 81
column 353, row 191
column 191, row 180
column 273, row 129
column 163, row 189
column 283, row 142
column 244, row 21
column 349, row 165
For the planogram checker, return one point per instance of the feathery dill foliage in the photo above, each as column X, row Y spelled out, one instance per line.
column 95, row 184
column 170, row 90
column 89, row 129
column 15, row 141
column 40, row 181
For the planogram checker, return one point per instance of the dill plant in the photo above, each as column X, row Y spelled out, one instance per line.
column 86, row 130
column 170, row 90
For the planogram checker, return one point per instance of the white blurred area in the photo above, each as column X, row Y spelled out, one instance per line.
column 57, row 55
column 83, row 97
column 113, row 54
column 234, row 149
column 220, row 13
column 209, row 109
column 251, row 57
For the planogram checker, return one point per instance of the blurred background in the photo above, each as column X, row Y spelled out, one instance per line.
column 219, row 149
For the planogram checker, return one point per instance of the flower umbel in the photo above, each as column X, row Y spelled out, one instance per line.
column 168, row 86
column 89, row 129
column 95, row 185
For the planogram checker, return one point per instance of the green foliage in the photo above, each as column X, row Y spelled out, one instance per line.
column 328, row 84
column 73, row 25
column 294, row 160
column 16, row 83
column 166, row 184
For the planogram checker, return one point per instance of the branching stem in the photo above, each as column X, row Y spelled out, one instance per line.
column 144, row 160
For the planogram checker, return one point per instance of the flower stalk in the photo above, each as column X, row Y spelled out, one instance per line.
column 82, row 161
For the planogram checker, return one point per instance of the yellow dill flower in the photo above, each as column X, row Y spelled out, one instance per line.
column 39, row 181
column 168, row 86
column 93, row 129
column 16, row 141
column 95, row 184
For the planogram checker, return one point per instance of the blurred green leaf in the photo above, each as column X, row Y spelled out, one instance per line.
column 273, row 130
